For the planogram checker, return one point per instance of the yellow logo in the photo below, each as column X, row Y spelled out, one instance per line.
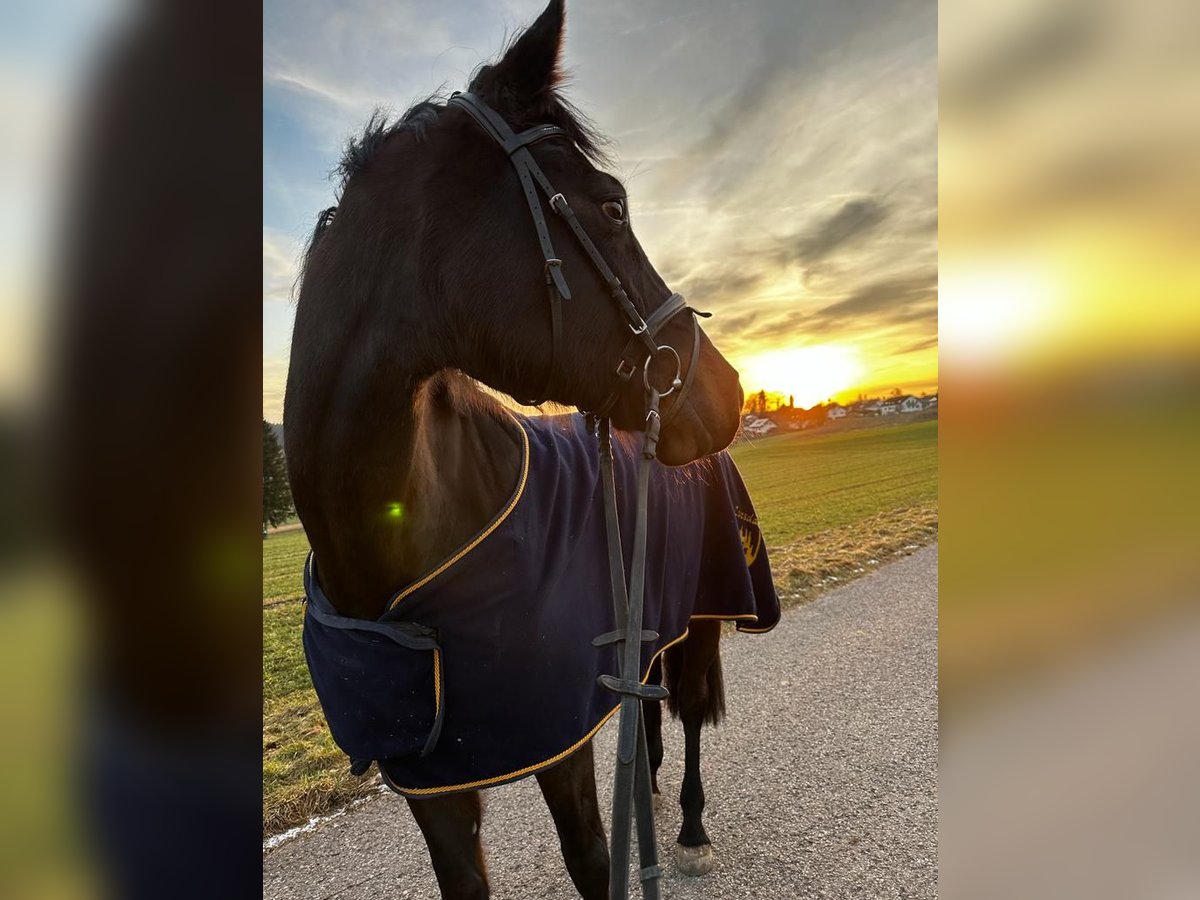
column 751, row 542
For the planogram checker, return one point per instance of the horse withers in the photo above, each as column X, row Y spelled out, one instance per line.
column 458, row 569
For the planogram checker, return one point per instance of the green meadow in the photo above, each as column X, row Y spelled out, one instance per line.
column 802, row 484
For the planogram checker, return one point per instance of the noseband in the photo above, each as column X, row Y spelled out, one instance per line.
column 642, row 346
column 632, row 795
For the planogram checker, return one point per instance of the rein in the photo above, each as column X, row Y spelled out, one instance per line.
column 632, row 793
column 632, row 797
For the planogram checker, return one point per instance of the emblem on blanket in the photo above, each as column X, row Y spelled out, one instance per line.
column 751, row 535
column 437, row 691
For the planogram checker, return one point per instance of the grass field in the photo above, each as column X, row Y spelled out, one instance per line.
column 802, row 483
column 283, row 565
column 831, row 506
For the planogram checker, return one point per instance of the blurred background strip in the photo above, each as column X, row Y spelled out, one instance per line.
column 1069, row 212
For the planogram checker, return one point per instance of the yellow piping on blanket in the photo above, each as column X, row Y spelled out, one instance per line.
column 528, row 770
column 558, row 757
column 492, row 526
column 437, row 681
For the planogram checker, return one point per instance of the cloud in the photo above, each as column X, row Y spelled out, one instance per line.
column 877, row 309
column 719, row 283
column 280, row 267
column 738, row 324
column 853, row 220
column 926, row 344
column 893, row 301
column 274, row 385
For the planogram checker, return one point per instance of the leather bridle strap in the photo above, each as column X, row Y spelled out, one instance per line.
column 634, row 318
column 515, row 144
column 632, row 357
column 642, row 344
column 632, row 796
column 690, row 375
column 531, row 176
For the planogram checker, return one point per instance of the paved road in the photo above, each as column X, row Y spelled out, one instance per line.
column 822, row 783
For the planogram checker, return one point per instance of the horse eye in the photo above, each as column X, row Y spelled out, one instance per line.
column 614, row 209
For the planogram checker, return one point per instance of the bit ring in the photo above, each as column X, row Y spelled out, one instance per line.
column 675, row 382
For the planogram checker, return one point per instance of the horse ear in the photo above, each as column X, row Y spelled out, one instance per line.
column 529, row 70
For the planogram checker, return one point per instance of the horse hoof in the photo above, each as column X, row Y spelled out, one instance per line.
column 694, row 861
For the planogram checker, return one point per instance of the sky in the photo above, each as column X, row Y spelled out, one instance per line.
column 780, row 158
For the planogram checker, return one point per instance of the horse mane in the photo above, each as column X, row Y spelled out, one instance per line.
column 363, row 148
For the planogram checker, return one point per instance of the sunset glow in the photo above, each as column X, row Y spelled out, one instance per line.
column 809, row 375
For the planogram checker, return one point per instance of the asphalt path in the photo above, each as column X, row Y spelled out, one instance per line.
column 821, row 783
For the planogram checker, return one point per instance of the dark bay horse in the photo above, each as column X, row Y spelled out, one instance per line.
column 423, row 284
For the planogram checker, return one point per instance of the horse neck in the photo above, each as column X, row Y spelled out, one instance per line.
column 419, row 466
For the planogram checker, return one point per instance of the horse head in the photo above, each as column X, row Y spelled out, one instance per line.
column 449, row 222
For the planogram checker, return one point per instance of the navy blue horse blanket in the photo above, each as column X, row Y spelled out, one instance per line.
column 483, row 671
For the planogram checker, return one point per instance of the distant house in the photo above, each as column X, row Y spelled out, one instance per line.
column 931, row 402
column 910, row 404
column 889, row 407
column 788, row 419
column 865, row 408
column 752, row 424
column 835, row 411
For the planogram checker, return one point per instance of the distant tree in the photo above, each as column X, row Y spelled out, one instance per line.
column 762, row 403
column 277, row 496
column 791, row 401
column 895, row 392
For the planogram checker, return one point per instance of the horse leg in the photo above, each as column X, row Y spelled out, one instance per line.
column 701, row 697
column 451, row 828
column 652, row 714
column 570, row 792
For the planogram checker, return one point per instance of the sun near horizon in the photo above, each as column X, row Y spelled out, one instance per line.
column 820, row 373
column 807, row 374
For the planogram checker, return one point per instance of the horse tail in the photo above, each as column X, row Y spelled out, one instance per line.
column 704, row 644
column 714, row 710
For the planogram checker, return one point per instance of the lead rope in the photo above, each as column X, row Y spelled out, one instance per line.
column 632, row 795
column 631, row 789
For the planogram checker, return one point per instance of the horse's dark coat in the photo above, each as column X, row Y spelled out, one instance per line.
column 515, row 616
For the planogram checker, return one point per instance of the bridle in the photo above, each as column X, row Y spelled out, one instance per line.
column 631, row 787
column 642, row 347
